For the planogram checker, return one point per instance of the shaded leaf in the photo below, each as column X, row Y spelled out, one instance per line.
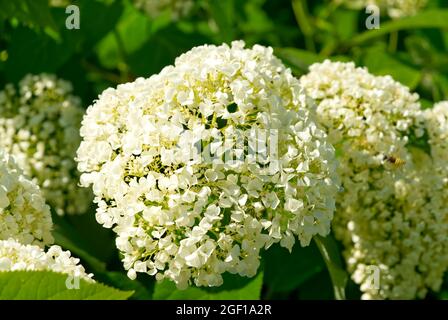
column 33, row 52
column 121, row 281
column 318, row 287
column 132, row 31
column 70, row 239
column 330, row 253
column 298, row 60
column 166, row 290
column 159, row 52
column 286, row 271
column 223, row 14
column 381, row 63
column 98, row 18
column 35, row 13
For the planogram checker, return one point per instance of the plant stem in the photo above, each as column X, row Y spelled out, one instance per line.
column 329, row 251
column 104, row 74
column 393, row 41
column 301, row 14
column 121, row 49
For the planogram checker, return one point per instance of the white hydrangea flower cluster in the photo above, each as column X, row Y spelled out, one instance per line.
column 395, row 8
column 188, row 218
column 23, row 213
column 391, row 214
column 39, row 126
column 153, row 8
column 403, row 234
column 370, row 118
column 437, row 126
column 15, row 256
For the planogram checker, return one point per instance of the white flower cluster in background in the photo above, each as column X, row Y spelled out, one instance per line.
column 437, row 126
column 177, row 8
column 39, row 126
column 23, row 213
column 392, row 213
column 15, row 256
column 188, row 218
column 395, row 8
column 370, row 118
column 404, row 234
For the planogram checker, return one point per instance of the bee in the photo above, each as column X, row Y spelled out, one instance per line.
column 396, row 162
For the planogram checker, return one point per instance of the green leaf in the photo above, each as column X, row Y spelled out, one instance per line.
column 89, row 234
column 97, row 19
column 132, row 31
column 426, row 104
column 302, row 16
column 35, row 13
column 121, row 281
column 424, row 52
column 381, row 63
column 330, row 253
column 345, row 22
column 166, row 290
column 46, row 285
column 159, row 52
column 298, row 60
column 223, row 13
column 65, row 242
column 69, row 238
column 442, row 82
column 435, row 18
column 35, row 52
column 317, row 287
column 285, row 271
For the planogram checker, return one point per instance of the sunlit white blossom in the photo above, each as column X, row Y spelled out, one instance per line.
column 15, row 256
column 392, row 213
column 188, row 218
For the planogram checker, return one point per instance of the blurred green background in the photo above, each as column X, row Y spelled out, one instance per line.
column 119, row 41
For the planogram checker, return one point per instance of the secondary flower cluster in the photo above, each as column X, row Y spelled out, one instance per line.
column 23, row 213
column 25, row 226
column 391, row 214
column 15, row 256
column 395, row 8
column 39, row 126
column 182, row 217
column 437, row 126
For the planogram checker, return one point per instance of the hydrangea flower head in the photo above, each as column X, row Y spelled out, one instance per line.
column 201, row 166
column 391, row 215
column 437, row 126
column 39, row 126
column 24, row 215
column 15, row 256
